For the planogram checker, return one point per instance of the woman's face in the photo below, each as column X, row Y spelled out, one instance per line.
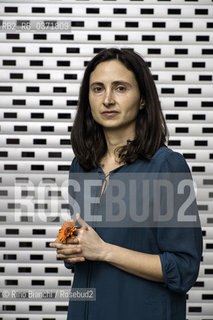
column 114, row 95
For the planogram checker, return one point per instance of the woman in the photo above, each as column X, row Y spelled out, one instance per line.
column 138, row 272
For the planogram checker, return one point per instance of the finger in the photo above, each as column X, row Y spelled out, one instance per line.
column 55, row 244
column 72, row 241
column 51, row 244
column 69, row 250
column 73, row 260
column 82, row 222
column 69, row 256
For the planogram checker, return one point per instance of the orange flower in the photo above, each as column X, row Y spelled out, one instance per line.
column 67, row 230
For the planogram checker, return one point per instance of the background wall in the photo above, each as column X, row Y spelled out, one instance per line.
column 41, row 70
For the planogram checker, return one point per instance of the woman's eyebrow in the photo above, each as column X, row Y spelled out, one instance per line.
column 117, row 82
column 121, row 82
column 96, row 83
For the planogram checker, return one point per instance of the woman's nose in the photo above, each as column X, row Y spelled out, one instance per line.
column 108, row 98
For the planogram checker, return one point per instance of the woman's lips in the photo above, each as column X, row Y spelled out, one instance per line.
column 110, row 113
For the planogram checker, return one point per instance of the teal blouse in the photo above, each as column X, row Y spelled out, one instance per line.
column 121, row 295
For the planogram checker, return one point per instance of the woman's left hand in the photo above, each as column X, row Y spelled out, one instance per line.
column 90, row 242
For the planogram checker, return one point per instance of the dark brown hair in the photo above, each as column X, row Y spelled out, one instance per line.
column 87, row 137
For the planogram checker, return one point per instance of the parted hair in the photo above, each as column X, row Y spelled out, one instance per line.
column 87, row 136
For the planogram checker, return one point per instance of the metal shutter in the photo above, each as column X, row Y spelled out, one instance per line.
column 41, row 70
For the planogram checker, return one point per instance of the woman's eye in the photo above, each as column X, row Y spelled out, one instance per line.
column 121, row 89
column 97, row 89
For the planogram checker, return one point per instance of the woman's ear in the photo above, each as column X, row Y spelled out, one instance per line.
column 142, row 104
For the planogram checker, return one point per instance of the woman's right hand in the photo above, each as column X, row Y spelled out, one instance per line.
column 70, row 251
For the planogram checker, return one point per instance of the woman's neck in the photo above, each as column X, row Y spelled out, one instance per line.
column 116, row 139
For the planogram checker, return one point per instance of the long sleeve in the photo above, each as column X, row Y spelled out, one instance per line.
column 71, row 196
column 180, row 257
column 181, row 247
